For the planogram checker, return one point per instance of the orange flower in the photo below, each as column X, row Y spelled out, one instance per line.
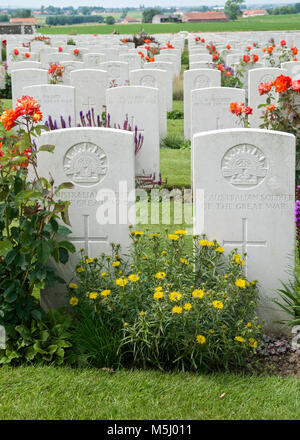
column 264, row 87
column 16, row 52
column 295, row 59
column 254, row 58
column 27, row 106
column 228, row 47
column 27, row 55
column 246, row 58
column 282, row 83
column 8, row 118
column 124, row 40
column 264, row 49
column 270, row 108
column 37, row 117
column 228, row 73
column 296, row 86
column 270, row 49
column 221, row 67
column 295, row 51
column 151, row 60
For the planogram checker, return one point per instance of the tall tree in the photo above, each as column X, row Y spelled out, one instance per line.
column 232, row 9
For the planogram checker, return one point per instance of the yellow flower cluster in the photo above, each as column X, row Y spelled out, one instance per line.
column 116, row 263
column 73, row 286
column 93, row 295
column 158, row 294
column 184, row 261
column 198, row 293
column 239, row 339
column 173, row 237
column 89, row 260
column 133, row 278
column 160, row 275
column 206, row 243
column 177, row 309
column 217, row 304
column 73, row 301
column 201, row 339
column 181, row 232
column 240, row 283
column 121, row 282
column 175, row 296
column 187, row 306
column 79, row 269
column 238, row 260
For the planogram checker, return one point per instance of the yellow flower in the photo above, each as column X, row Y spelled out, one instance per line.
column 73, row 301
column 173, row 237
column 138, row 233
column 201, row 339
column 220, row 249
column 142, row 313
column 253, row 283
column 181, row 232
column 217, row 304
column 121, row 282
column 210, row 243
column 253, row 343
column 225, row 276
column 158, row 288
column 238, row 260
column 116, row 263
column 154, row 235
column 184, row 261
column 104, row 274
column 249, row 325
column 126, row 324
column 105, row 292
column 164, row 252
column 259, row 327
column 211, row 331
column 224, row 295
column 80, row 269
column 73, row 286
column 175, row 296
column 187, row 306
column 239, row 339
column 198, row 293
column 158, row 294
column 240, row 283
column 133, row 278
column 203, row 242
column 89, row 260
column 224, row 327
column 160, row 275
column 177, row 309
column 93, row 295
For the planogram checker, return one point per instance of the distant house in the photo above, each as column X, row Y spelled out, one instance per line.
column 129, row 20
column 4, row 12
column 37, row 12
column 200, row 17
column 30, row 21
column 254, row 12
column 166, row 18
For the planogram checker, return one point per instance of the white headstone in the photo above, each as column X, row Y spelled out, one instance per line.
column 248, row 178
column 26, row 77
column 93, row 60
column 90, row 87
column 100, row 164
column 118, row 72
column 162, row 65
column 196, row 79
column 140, row 104
column 157, row 79
column 56, row 101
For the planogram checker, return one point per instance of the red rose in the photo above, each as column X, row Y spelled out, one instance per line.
column 283, row 43
column 16, row 52
column 282, row 83
column 60, row 49
column 27, row 55
column 246, row 58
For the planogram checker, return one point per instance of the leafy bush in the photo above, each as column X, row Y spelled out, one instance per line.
column 6, row 93
column 174, row 310
column 175, row 114
column 290, row 294
column 41, row 341
column 175, row 141
column 29, row 226
column 71, row 42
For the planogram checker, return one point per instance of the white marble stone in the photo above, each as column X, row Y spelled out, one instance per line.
column 100, row 164
column 118, row 72
column 26, row 77
column 248, row 178
column 169, row 83
column 195, row 79
column 90, row 87
column 157, row 79
column 55, row 101
column 140, row 104
column 93, row 60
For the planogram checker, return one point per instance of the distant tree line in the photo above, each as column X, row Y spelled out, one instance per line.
column 283, row 10
column 61, row 20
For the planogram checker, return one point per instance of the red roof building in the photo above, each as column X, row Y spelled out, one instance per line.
column 198, row 17
column 28, row 20
column 130, row 20
column 254, row 12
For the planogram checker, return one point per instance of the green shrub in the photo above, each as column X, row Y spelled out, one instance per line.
column 71, row 42
column 175, row 311
column 45, row 341
column 175, row 114
column 175, row 141
column 6, row 93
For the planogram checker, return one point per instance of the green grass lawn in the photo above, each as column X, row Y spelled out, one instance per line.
column 263, row 23
column 48, row 393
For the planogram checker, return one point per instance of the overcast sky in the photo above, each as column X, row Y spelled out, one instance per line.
column 123, row 3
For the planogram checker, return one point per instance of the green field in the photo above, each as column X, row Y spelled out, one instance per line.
column 264, row 23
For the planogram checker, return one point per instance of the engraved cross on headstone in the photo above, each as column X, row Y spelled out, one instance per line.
column 89, row 103
column 87, row 239
column 245, row 243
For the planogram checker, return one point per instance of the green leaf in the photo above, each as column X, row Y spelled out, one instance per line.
column 36, row 314
column 63, row 255
column 65, row 217
column 67, row 245
column 64, row 185
column 5, row 247
column 43, row 252
column 63, row 230
column 49, row 148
